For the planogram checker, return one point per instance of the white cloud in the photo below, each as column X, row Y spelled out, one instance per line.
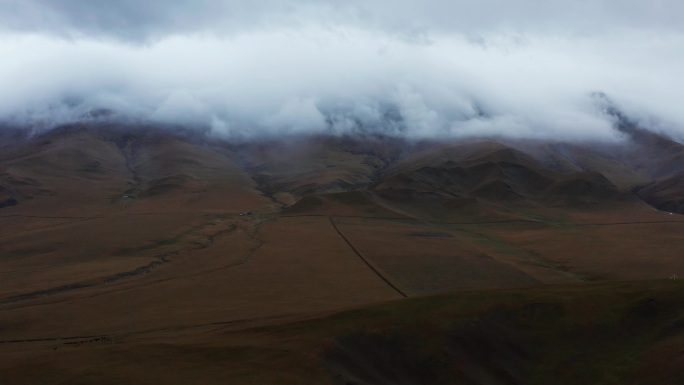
column 296, row 115
column 180, row 107
column 523, row 68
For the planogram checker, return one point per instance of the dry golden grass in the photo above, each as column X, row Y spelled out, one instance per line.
column 170, row 284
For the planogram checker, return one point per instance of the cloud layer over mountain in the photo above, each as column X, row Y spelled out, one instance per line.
column 513, row 68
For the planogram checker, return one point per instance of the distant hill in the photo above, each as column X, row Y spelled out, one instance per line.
column 146, row 164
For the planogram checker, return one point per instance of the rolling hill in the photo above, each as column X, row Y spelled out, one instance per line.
column 337, row 259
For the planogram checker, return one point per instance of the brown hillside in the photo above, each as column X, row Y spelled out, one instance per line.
column 666, row 194
column 138, row 254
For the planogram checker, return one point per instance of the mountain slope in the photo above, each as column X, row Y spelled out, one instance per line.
column 124, row 244
column 666, row 194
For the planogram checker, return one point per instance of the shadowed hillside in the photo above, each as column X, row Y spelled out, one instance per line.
column 666, row 194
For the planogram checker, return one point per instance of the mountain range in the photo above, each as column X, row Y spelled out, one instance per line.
column 314, row 258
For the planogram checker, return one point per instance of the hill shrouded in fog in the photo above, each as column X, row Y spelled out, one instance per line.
column 374, row 192
column 132, row 165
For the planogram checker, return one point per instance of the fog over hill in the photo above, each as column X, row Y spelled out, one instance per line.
column 423, row 70
column 325, row 192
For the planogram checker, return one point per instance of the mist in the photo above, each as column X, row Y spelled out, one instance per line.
column 508, row 69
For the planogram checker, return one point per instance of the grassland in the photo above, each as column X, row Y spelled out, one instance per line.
column 149, row 258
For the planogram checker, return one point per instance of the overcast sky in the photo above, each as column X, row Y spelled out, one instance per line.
column 520, row 68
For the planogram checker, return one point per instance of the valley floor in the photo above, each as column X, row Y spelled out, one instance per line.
column 205, row 297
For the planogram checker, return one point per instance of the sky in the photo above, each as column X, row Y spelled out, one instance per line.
column 431, row 68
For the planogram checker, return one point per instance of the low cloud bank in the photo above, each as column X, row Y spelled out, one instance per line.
column 302, row 76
